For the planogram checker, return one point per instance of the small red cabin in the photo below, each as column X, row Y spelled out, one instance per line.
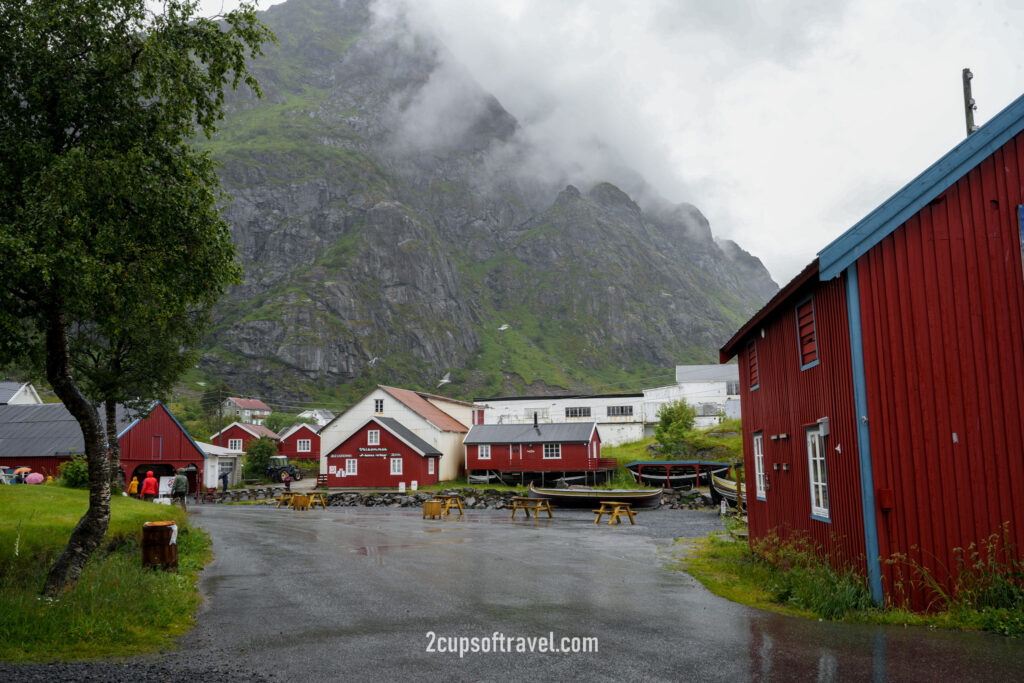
column 159, row 443
column 238, row 435
column 382, row 452
column 300, row 442
column 566, row 448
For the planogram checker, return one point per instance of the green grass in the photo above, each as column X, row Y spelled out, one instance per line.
column 116, row 608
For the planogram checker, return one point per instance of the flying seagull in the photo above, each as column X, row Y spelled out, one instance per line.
column 374, row 361
column 446, row 379
column 502, row 328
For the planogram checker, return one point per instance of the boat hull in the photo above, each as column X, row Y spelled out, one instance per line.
column 682, row 475
column 589, row 498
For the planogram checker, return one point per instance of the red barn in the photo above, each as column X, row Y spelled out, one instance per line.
column 382, row 452
column 159, row 443
column 300, row 442
column 571, row 449
column 883, row 408
column 238, row 435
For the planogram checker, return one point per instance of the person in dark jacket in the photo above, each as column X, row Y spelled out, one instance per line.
column 179, row 488
column 150, row 487
column 224, row 482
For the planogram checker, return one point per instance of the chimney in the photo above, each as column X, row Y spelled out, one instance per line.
column 535, row 419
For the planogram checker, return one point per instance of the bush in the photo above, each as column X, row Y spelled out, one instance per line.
column 74, row 473
column 257, row 457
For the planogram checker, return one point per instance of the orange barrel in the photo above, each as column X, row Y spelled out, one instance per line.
column 160, row 545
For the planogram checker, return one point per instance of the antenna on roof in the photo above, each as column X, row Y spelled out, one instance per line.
column 969, row 105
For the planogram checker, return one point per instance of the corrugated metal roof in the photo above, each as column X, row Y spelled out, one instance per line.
column 427, row 410
column 567, row 432
column 707, row 373
column 399, row 430
column 556, row 397
column 46, row 429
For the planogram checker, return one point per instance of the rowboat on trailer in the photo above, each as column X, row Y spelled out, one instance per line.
column 677, row 474
column 583, row 497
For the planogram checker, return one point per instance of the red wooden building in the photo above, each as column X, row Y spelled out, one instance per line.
column 300, row 442
column 883, row 408
column 238, row 435
column 382, row 452
column 159, row 443
column 568, row 449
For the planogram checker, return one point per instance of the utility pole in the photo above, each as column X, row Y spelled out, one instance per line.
column 969, row 105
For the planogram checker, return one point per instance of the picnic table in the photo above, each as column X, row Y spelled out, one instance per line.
column 449, row 501
column 525, row 503
column 616, row 510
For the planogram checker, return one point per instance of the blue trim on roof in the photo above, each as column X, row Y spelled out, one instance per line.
column 860, row 403
column 150, row 412
column 855, row 242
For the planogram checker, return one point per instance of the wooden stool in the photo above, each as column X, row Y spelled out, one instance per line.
column 432, row 509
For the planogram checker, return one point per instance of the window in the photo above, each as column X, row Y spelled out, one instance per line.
column 755, row 381
column 818, row 475
column 620, row 411
column 304, row 445
column 732, row 388
column 378, row 405
column 552, row 451
column 430, row 465
column 373, row 437
column 578, row 411
column 478, row 416
column 541, row 413
column 235, row 444
column 351, row 465
column 396, row 465
column 761, row 481
column 806, row 331
column 483, row 451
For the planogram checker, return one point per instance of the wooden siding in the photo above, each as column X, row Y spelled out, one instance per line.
column 374, row 469
column 44, row 465
column 290, row 446
column 942, row 303
column 787, row 401
column 530, row 458
column 159, row 440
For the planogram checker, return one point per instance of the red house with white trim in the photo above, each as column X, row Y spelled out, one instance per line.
column 382, row 453
column 238, row 435
column 881, row 389
column 568, row 449
column 300, row 442
column 159, row 443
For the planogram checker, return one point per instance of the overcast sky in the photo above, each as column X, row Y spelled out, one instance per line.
column 785, row 122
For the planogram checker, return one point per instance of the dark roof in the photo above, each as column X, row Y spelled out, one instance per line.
column 561, row 432
column 44, row 430
column 556, row 396
column 399, row 430
column 8, row 390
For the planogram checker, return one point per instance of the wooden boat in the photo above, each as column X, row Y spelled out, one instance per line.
column 676, row 474
column 727, row 489
column 583, row 497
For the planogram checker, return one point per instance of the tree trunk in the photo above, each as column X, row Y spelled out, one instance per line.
column 113, row 446
column 92, row 527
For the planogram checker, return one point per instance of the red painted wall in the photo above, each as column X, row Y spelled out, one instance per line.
column 46, row 466
column 290, row 446
column 530, row 458
column 159, row 440
column 374, row 470
column 942, row 302
column 786, row 402
column 235, row 432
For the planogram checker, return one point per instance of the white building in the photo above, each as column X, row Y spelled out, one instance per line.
column 440, row 421
column 619, row 417
column 18, row 393
column 708, row 388
column 318, row 415
column 247, row 410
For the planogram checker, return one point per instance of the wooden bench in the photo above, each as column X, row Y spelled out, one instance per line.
column 526, row 504
column 449, row 501
column 433, row 509
column 301, row 501
column 285, row 499
column 315, row 497
column 616, row 511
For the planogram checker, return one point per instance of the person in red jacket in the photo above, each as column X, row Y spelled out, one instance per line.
column 150, row 487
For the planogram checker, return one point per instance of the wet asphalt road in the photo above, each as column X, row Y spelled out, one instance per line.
column 353, row 594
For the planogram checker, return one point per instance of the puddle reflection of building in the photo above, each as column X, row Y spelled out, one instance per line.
column 776, row 655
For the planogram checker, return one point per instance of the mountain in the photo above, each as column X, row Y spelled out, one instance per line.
column 395, row 224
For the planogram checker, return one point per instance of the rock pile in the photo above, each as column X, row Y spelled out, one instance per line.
column 489, row 499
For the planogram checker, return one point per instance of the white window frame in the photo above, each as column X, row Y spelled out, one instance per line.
column 817, row 474
column 760, row 479
column 555, row 450
column 396, row 466
column 430, row 465
column 378, row 405
column 483, row 451
column 304, row 445
column 577, row 411
column 234, row 444
column 351, row 467
column 620, row 411
column 373, row 437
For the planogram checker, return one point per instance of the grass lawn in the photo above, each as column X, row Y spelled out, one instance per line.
column 116, row 608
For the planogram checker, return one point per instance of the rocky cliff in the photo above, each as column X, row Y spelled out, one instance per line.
column 394, row 226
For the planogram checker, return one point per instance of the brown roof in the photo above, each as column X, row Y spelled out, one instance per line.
column 250, row 403
column 418, row 403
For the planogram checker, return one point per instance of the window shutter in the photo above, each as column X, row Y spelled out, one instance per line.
column 805, row 327
column 755, row 381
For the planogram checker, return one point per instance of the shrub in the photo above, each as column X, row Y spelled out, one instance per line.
column 257, row 457
column 74, row 473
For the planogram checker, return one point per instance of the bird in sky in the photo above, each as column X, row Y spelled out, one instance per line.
column 446, row 379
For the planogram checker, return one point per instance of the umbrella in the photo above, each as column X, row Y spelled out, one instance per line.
column 22, row 470
column 34, row 478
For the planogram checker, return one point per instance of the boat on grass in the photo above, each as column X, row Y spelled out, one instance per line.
column 726, row 489
column 583, row 497
column 677, row 474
